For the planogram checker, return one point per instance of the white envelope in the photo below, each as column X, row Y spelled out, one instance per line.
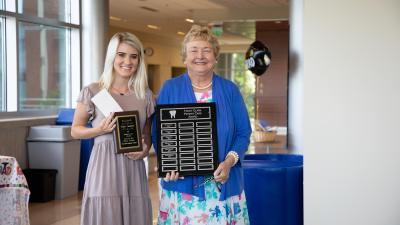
column 106, row 103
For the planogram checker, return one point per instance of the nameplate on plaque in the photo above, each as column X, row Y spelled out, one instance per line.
column 187, row 139
column 127, row 132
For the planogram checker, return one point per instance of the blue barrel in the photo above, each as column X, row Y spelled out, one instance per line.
column 274, row 188
column 65, row 117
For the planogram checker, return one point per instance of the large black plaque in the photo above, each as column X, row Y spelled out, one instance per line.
column 127, row 132
column 187, row 139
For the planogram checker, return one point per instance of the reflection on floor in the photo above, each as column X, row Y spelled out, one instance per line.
column 67, row 211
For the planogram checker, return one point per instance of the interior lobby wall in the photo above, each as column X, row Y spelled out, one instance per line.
column 351, row 112
column 166, row 54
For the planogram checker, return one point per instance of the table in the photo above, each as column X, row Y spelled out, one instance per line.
column 14, row 193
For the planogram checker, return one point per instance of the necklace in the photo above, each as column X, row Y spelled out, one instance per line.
column 202, row 88
column 120, row 92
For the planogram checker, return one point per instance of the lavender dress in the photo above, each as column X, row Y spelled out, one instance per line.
column 116, row 188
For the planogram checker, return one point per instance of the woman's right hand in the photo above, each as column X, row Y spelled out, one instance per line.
column 172, row 176
column 107, row 124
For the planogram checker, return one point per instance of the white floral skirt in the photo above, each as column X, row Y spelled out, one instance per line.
column 185, row 209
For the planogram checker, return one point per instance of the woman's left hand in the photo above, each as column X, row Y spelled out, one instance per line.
column 139, row 155
column 221, row 174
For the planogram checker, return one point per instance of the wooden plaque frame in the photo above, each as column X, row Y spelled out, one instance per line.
column 127, row 133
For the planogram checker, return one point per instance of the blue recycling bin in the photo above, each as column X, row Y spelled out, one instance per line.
column 65, row 117
column 274, row 188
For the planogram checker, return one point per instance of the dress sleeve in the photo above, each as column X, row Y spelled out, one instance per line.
column 150, row 103
column 85, row 97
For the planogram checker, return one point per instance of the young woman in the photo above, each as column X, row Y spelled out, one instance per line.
column 116, row 188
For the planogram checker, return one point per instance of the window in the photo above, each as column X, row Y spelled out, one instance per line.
column 38, row 34
column 61, row 10
column 42, row 66
column 51, row 9
column 232, row 67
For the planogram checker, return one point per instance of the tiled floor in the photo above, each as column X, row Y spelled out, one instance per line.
column 57, row 212
column 67, row 211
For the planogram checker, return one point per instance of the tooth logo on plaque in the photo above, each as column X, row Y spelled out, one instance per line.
column 187, row 139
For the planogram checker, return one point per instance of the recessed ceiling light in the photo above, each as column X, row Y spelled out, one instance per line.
column 189, row 20
column 154, row 27
column 180, row 33
column 148, row 9
column 115, row 18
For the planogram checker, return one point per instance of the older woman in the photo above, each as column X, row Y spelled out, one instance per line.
column 217, row 199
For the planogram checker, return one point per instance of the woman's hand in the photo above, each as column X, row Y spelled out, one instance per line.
column 170, row 176
column 221, row 174
column 139, row 155
column 107, row 125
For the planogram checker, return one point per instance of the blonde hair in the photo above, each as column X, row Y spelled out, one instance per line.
column 138, row 81
column 201, row 33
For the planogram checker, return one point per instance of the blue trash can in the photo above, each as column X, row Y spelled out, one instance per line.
column 65, row 117
column 274, row 188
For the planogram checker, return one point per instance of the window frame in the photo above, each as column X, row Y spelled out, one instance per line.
column 73, row 28
column 3, row 64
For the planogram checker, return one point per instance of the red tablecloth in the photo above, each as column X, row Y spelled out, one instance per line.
column 14, row 193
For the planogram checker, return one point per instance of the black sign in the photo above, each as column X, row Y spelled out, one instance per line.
column 187, row 139
column 127, row 132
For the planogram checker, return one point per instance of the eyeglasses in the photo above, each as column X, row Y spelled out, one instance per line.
column 207, row 180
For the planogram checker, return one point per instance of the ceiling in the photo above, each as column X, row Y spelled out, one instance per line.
column 236, row 17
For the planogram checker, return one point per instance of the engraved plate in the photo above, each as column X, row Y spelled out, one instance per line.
column 127, row 132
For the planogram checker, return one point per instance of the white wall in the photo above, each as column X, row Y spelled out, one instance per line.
column 352, row 112
column 296, row 76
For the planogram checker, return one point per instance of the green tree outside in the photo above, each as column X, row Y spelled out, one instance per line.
column 232, row 67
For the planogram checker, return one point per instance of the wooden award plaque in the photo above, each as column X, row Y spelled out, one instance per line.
column 127, row 132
